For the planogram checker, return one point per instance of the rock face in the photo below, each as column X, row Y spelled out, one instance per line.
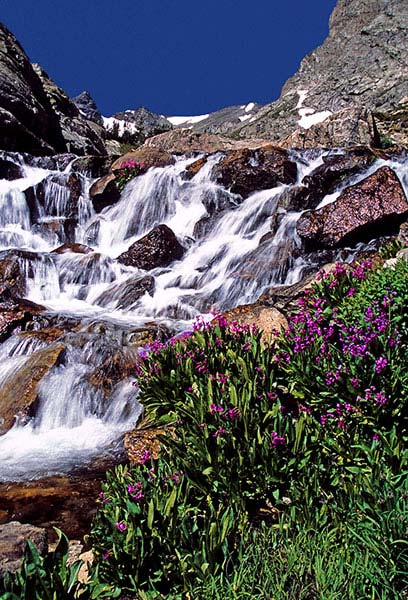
column 377, row 205
column 246, row 171
column 221, row 121
column 158, row 248
column 9, row 170
column 361, row 63
column 346, row 127
column 80, row 135
column 134, row 126
column 87, row 107
column 19, row 391
column 27, row 120
column 13, row 537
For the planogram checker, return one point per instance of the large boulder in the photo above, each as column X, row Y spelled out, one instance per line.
column 126, row 293
column 13, row 538
column 158, row 248
column 185, row 141
column 375, row 206
column 336, row 168
column 20, row 390
column 246, row 171
column 146, row 156
column 27, row 120
column 9, row 170
column 104, row 192
column 268, row 319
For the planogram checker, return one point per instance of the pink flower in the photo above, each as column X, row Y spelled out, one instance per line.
column 120, row 526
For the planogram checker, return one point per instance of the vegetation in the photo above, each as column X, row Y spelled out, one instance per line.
column 128, row 171
column 283, row 472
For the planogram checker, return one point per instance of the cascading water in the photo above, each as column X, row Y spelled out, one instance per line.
column 231, row 256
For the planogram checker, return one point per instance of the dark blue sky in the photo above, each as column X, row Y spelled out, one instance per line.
column 177, row 57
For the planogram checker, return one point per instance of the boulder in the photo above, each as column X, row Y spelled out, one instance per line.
column 246, row 171
column 15, row 314
column 75, row 248
column 336, row 168
column 192, row 169
column 12, row 278
column 13, row 538
column 19, row 390
column 146, row 156
column 115, row 368
column 104, row 192
column 27, row 120
column 185, row 141
column 126, row 293
column 158, row 248
column 9, row 170
column 268, row 319
column 375, row 206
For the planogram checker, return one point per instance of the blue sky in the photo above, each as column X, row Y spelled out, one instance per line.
column 177, row 57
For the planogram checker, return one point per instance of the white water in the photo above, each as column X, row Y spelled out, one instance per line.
column 224, row 265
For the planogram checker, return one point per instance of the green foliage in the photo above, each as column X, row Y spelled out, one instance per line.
column 50, row 577
column 128, row 171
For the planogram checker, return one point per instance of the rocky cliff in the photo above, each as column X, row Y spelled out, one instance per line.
column 360, row 66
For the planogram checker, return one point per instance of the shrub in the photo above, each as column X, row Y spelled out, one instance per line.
column 128, row 171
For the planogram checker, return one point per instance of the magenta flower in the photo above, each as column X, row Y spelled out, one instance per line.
column 277, row 440
column 120, row 526
column 380, row 364
column 220, row 432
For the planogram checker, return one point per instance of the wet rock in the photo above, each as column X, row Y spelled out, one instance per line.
column 93, row 166
column 13, row 538
column 126, row 293
column 9, row 170
column 158, row 248
column 246, row 171
column 192, row 170
column 19, row 391
column 15, row 314
column 75, row 248
column 52, row 230
column 268, row 319
column 146, row 156
column 104, row 192
column 12, row 278
column 335, row 169
column 375, row 206
column 115, row 368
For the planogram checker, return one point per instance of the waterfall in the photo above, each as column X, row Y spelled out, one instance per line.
column 233, row 253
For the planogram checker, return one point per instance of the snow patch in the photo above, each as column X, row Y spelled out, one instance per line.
column 309, row 120
column 302, row 97
column 187, row 120
column 249, row 107
column 110, row 122
column 244, row 118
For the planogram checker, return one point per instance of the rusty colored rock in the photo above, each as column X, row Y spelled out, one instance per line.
column 76, row 248
column 145, row 439
column 186, row 141
column 192, row 170
column 146, row 156
column 19, row 391
column 375, row 206
column 267, row 319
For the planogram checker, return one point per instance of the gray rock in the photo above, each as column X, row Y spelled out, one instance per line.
column 26, row 118
column 87, row 107
column 361, row 63
column 13, row 537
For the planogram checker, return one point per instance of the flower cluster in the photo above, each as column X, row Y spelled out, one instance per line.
column 128, row 170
